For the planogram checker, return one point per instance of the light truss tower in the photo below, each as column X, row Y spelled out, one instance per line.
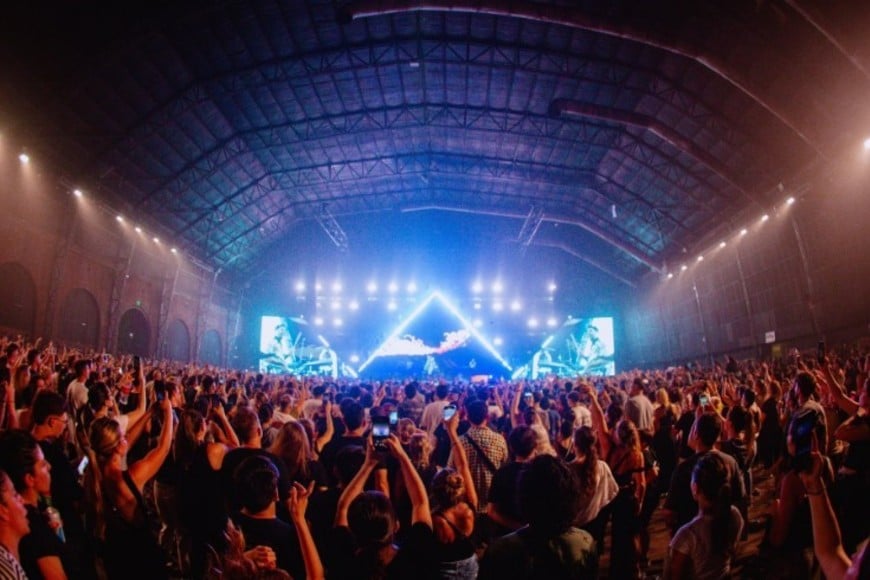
column 530, row 228
column 332, row 228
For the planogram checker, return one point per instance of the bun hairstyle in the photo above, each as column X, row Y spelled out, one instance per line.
column 447, row 489
column 711, row 478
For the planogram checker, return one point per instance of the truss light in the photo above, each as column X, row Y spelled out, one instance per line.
column 405, row 323
column 77, row 192
column 683, row 268
column 338, row 322
column 790, row 200
column 24, row 158
column 497, row 341
column 372, row 287
column 354, row 358
column 670, row 275
column 477, row 287
column 552, row 322
column 551, row 287
column 392, row 306
column 138, row 230
column 478, row 323
column 516, row 306
column 497, row 306
column 497, row 288
column 156, row 240
column 412, row 287
column 300, row 287
column 867, row 144
column 119, row 219
column 477, row 305
column 173, row 250
column 765, row 217
column 393, row 288
column 722, row 244
column 336, row 287
column 336, row 305
column 700, row 258
column 318, row 321
column 353, row 305
column 533, row 322
column 744, row 231
column 318, row 287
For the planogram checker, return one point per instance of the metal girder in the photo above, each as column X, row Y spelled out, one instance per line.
column 589, row 260
column 574, row 18
column 332, row 228
column 530, row 227
column 815, row 20
column 122, row 274
column 166, row 295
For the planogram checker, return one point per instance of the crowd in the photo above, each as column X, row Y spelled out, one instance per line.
column 116, row 467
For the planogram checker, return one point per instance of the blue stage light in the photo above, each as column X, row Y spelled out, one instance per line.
column 452, row 309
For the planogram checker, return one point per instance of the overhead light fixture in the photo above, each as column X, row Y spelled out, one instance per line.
column 497, row 287
column 77, row 192
column 318, row 287
column 683, row 268
column 412, row 287
column 392, row 306
column 336, row 287
column 156, row 240
column 533, row 322
column 497, row 341
column 318, row 321
column 393, row 287
column 516, row 306
column 337, row 322
column 120, row 219
column 477, row 305
column 744, row 231
column 551, row 287
column 867, row 144
column 138, row 230
column 700, row 258
column 372, row 287
column 300, row 286
column 497, row 306
column 722, row 244
column 478, row 323
column 765, row 217
column 552, row 322
column 670, row 275
column 173, row 250
column 24, row 158
column 354, row 305
column 789, row 201
column 477, row 287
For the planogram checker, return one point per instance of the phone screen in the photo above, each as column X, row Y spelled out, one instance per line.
column 704, row 400
column 380, row 430
column 394, row 418
column 449, row 411
column 83, row 465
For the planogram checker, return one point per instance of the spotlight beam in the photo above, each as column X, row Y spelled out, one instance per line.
column 417, row 311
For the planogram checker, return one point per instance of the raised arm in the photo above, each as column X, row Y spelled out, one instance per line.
column 598, row 421
column 356, row 486
column 147, row 467
column 459, row 458
column 838, row 392
column 416, row 490
column 329, row 431
column 297, row 503
column 231, row 439
column 516, row 420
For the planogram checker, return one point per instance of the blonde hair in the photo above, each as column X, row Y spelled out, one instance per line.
column 292, row 446
column 420, row 449
column 99, row 445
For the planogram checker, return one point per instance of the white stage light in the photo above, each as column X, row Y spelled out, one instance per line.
column 412, row 287
column 744, row 231
column 789, row 201
column 477, row 305
column 354, row 358
column 318, row 321
column 533, row 322
column 722, row 244
column 337, row 322
column 497, row 287
column 354, row 305
column 516, row 306
column 24, row 158
column 392, row 306
column 119, row 219
column 700, row 258
column 497, row 341
column 477, row 287
column 77, row 192
column 478, row 323
column 683, row 268
column 318, row 287
column 670, row 275
column 552, row 287
column 138, row 230
column 372, row 287
column 300, row 286
column 497, row 306
column 552, row 322
column 765, row 217
column 156, row 240
column 336, row 305
column 867, row 144
column 336, row 287
column 173, row 250
column 393, row 288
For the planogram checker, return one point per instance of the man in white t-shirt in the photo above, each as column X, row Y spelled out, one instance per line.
column 582, row 415
column 312, row 406
column 77, row 391
column 433, row 413
column 639, row 408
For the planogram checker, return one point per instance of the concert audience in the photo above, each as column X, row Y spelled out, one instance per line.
column 520, row 482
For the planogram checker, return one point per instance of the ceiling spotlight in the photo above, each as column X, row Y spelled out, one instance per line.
column 354, row 305
column 372, row 287
column 497, row 287
column 789, row 201
column 516, row 306
column 300, row 286
column 552, row 322
column 336, row 305
column 722, row 244
column 670, row 275
column 477, row 305
column 393, row 287
column 173, row 250
column 551, row 287
column 138, row 230
column 497, row 341
column 354, row 358
column 700, row 258
column 533, row 322
column 765, row 217
column 337, row 322
column 477, row 287
column 336, row 287
column 120, row 219
column 497, row 306
column 318, row 286
column 412, row 287
column 478, row 323
column 683, row 268
column 24, row 158
column 744, row 231
column 318, row 321
column 77, row 192
column 156, row 240
column 392, row 306
column 867, row 144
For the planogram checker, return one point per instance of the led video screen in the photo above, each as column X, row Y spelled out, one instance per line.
column 291, row 346
column 581, row 346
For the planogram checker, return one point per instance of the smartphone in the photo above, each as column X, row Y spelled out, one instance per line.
column 802, row 438
column 83, row 464
column 394, row 419
column 448, row 412
column 528, row 396
column 703, row 400
column 380, row 432
column 822, row 352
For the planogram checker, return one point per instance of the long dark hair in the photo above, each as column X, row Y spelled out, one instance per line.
column 585, row 444
column 711, row 478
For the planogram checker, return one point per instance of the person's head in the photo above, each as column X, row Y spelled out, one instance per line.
column 99, row 397
column 747, row 399
column 246, row 424
column 712, row 490
column 477, row 412
column 420, row 448
column 354, row 416
column 573, row 398
column 739, row 420
column 585, row 443
column 804, row 386
column 662, row 397
column 446, row 490
column 522, row 442
column 405, row 430
column 708, row 429
column 372, row 519
column 547, row 495
column 256, row 480
column 22, row 459
column 13, row 514
column 441, row 391
column 614, row 413
column 106, row 441
column 34, row 357
column 411, row 390
column 318, row 391
column 636, row 387
column 82, row 368
column 292, row 446
column 49, row 411
column 189, row 435
column 626, row 434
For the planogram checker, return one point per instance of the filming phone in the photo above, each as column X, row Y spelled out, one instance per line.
column 380, row 432
column 448, row 412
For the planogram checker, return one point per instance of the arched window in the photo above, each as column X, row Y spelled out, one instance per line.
column 211, row 348
column 17, row 298
column 177, row 341
column 80, row 319
column 134, row 333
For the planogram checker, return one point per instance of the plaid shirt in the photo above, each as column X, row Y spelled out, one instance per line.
column 495, row 447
